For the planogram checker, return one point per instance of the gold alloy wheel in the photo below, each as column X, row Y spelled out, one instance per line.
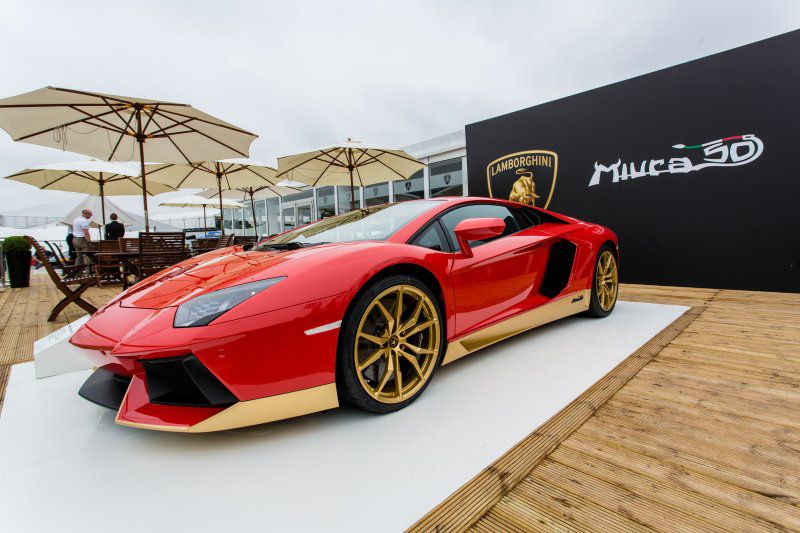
column 607, row 279
column 397, row 344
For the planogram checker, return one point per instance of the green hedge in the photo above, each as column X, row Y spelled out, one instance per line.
column 16, row 244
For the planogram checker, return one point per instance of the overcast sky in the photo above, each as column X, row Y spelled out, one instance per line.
column 308, row 74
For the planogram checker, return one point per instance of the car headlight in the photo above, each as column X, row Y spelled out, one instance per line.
column 202, row 310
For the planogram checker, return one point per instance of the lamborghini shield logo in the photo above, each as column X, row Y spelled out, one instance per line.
column 528, row 177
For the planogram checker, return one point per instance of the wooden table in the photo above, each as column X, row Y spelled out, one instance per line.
column 124, row 259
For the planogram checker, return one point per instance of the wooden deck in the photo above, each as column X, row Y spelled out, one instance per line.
column 24, row 312
column 697, row 431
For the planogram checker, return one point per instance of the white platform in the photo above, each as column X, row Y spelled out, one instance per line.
column 65, row 466
column 54, row 355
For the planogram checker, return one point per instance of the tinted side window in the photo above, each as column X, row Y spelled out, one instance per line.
column 452, row 218
column 526, row 218
column 432, row 238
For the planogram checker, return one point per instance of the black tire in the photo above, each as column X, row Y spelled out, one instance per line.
column 349, row 385
column 595, row 308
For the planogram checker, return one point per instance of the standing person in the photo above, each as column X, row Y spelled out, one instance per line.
column 70, row 245
column 82, row 238
column 114, row 229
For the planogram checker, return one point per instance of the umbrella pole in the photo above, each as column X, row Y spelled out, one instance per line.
column 221, row 216
column 352, row 193
column 253, row 207
column 140, row 140
column 102, row 200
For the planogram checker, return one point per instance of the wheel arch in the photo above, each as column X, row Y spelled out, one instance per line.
column 614, row 247
column 410, row 269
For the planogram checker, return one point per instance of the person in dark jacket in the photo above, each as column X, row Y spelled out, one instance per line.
column 73, row 253
column 114, row 229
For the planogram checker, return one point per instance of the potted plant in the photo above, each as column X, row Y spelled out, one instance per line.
column 18, row 258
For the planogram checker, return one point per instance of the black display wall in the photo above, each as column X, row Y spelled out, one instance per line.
column 696, row 167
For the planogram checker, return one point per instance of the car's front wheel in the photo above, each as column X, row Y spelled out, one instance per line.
column 391, row 345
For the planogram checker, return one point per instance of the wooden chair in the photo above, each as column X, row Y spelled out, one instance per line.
column 108, row 269
column 73, row 275
column 245, row 239
column 158, row 251
column 58, row 258
column 225, row 241
column 128, row 244
column 205, row 243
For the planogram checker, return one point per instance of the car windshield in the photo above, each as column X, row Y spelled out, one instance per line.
column 371, row 223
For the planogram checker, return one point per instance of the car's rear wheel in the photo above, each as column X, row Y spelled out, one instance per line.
column 391, row 345
column 605, row 286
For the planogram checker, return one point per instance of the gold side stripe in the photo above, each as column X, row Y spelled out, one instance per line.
column 569, row 304
column 258, row 411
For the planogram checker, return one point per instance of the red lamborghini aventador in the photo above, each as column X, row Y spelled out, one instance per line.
column 360, row 308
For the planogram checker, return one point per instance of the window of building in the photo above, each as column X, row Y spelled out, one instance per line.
column 273, row 216
column 227, row 215
column 237, row 221
column 326, row 202
column 261, row 217
column 344, row 198
column 446, row 178
column 376, row 194
column 411, row 189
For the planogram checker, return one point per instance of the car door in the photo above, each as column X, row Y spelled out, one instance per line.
column 499, row 279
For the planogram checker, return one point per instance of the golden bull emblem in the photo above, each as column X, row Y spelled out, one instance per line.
column 524, row 189
column 520, row 175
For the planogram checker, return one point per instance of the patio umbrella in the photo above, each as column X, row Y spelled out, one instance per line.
column 98, row 178
column 115, row 128
column 199, row 201
column 351, row 163
column 221, row 175
column 253, row 193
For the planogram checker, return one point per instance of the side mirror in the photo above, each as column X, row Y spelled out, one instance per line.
column 477, row 229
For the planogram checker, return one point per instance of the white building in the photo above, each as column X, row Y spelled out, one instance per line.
column 444, row 175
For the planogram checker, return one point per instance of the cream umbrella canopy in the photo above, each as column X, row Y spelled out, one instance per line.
column 221, row 175
column 193, row 200
column 98, row 178
column 350, row 162
column 120, row 128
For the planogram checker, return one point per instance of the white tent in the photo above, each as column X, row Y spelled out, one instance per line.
column 52, row 232
column 133, row 223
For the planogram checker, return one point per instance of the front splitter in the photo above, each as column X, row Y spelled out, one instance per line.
column 248, row 413
column 105, row 388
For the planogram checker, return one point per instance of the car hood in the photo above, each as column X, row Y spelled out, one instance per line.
column 211, row 272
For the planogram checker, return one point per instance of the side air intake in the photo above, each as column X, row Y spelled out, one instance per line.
column 559, row 268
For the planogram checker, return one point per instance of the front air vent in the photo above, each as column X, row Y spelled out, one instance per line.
column 559, row 268
column 184, row 381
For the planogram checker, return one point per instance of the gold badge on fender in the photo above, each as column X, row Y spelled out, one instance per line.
column 528, row 177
